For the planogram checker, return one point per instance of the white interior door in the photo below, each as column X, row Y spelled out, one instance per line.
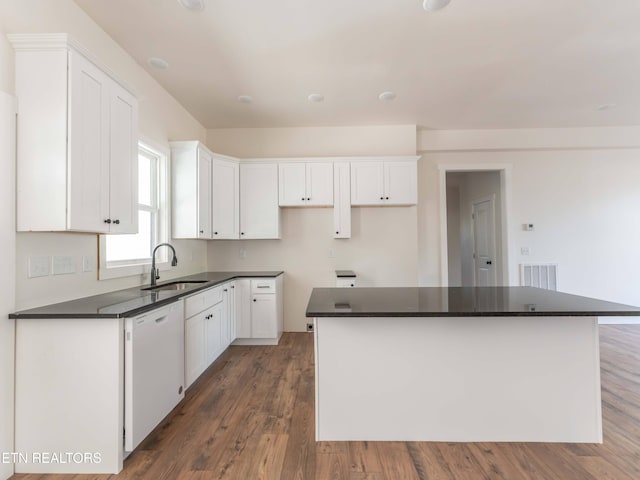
column 484, row 242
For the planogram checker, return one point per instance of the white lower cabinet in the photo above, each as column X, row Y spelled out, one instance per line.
column 194, row 348
column 259, row 311
column 263, row 316
column 209, row 329
column 203, row 335
column 214, row 337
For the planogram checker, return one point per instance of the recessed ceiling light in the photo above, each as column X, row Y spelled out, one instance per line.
column 431, row 5
column 388, row 96
column 193, row 5
column 606, row 106
column 158, row 63
column 245, row 99
column 315, row 97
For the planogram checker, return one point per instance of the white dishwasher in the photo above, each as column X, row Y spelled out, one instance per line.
column 153, row 370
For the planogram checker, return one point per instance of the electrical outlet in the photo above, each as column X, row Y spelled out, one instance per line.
column 38, row 266
column 243, row 253
column 332, row 253
column 87, row 263
column 525, row 251
column 63, row 264
column 309, row 327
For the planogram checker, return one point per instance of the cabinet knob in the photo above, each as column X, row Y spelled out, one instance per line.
column 302, row 199
column 381, row 198
column 254, row 300
column 117, row 222
column 215, row 233
column 241, row 233
column 308, row 198
column 233, row 286
column 386, row 198
column 108, row 220
column 337, row 233
column 225, row 290
column 201, row 231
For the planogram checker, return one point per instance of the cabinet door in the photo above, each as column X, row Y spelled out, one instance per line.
column 194, row 347
column 341, row 200
column 226, row 316
column 367, row 183
column 225, row 198
column 292, row 187
column 401, row 183
column 88, row 147
column 231, row 312
column 243, row 308
column 204, row 194
column 319, row 184
column 259, row 210
column 123, row 161
column 264, row 322
column 214, row 333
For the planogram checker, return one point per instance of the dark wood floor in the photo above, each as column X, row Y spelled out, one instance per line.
column 251, row 416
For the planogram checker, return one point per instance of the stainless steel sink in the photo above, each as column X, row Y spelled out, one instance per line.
column 176, row 285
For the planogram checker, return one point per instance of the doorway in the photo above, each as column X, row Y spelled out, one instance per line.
column 474, row 228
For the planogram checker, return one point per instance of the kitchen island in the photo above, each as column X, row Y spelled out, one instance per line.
column 458, row 364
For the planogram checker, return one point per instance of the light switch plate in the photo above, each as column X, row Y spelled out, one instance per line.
column 64, row 264
column 38, row 266
column 87, row 263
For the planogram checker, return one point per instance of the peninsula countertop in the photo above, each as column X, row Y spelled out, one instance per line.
column 457, row 302
column 136, row 300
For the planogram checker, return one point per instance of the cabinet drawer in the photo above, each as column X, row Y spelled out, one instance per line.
column 263, row 286
column 201, row 301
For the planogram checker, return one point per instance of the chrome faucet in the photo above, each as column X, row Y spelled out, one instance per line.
column 154, row 270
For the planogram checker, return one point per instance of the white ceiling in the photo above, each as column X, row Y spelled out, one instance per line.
column 475, row 64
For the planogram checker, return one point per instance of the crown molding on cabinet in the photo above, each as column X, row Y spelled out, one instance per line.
column 47, row 42
column 352, row 159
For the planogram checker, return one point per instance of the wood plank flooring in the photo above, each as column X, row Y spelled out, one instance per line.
column 251, row 416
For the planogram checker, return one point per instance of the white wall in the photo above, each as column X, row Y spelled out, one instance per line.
column 383, row 248
column 161, row 119
column 583, row 199
column 7, row 284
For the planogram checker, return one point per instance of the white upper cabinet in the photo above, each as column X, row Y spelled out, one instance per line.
column 367, row 183
column 259, row 211
column 225, row 199
column 401, row 183
column 342, row 200
column 77, row 140
column 206, row 197
column 306, row 184
column 191, row 190
column 384, row 182
column 123, row 173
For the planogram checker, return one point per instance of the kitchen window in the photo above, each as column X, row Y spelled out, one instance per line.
column 126, row 255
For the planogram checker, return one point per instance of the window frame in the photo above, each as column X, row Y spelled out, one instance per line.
column 132, row 267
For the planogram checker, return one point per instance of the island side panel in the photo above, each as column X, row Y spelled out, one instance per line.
column 470, row 379
column 69, row 395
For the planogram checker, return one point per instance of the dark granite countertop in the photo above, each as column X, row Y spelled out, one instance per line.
column 457, row 302
column 133, row 301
